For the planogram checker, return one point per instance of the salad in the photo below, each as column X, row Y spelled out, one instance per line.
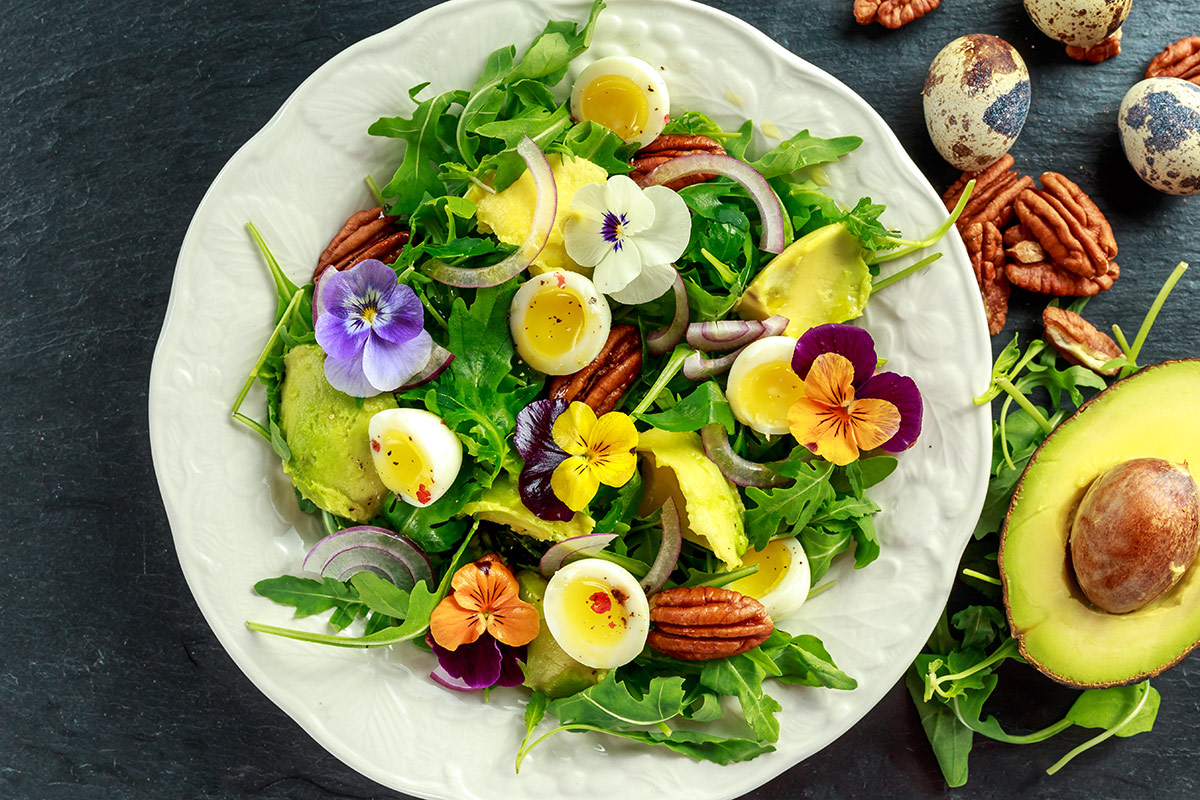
column 578, row 407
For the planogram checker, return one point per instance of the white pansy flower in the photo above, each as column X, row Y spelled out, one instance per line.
column 630, row 235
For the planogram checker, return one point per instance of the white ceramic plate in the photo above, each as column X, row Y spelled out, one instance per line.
column 233, row 515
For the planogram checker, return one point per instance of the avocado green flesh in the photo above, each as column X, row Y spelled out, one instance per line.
column 819, row 278
column 548, row 668
column 331, row 461
column 502, row 505
column 1152, row 414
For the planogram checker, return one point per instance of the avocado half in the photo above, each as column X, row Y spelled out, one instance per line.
column 1153, row 413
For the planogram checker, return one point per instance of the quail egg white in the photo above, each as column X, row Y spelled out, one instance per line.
column 416, row 455
column 1160, row 131
column 597, row 613
column 1081, row 23
column 783, row 579
column 625, row 95
column 976, row 96
column 559, row 322
column 762, row 384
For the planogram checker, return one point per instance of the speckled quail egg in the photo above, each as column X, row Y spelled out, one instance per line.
column 597, row 613
column 763, row 386
column 976, row 97
column 1160, row 131
column 415, row 454
column 1082, row 23
column 783, row 579
column 559, row 322
column 625, row 95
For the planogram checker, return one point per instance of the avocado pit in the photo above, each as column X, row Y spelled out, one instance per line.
column 1135, row 533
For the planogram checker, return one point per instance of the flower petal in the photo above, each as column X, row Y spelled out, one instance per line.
column 853, row 343
column 830, row 380
column 823, row 429
column 452, row 626
column 511, row 673
column 584, row 240
column 535, row 423
column 611, row 449
column 901, row 392
column 389, row 365
column 534, row 440
column 572, row 429
column 346, row 375
column 537, row 492
column 574, row 483
column 472, row 666
column 652, row 283
column 369, row 278
column 515, row 623
column 401, row 317
column 626, row 197
column 873, row 422
column 591, row 201
column 484, row 585
column 618, row 268
column 668, row 238
column 341, row 336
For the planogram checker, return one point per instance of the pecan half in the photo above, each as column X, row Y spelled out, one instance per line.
column 892, row 13
column 985, row 245
column 1180, row 60
column 996, row 189
column 670, row 146
column 1045, row 278
column 699, row 623
column 1070, row 227
column 366, row 234
column 602, row 383
column 1079, row 341
column 1097, row 53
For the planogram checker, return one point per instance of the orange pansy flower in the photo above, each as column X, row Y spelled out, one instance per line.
column 829, row 420
column 484, row 600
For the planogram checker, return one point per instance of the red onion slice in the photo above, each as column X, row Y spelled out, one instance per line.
column 543, row 221
column 734, row 467
column 665, row 339
column 575, row 547
column 318, row 303
column 769, row 209
column 344, row 554
column 729, row 334
column 696, row 367
column 668, row 550
column 439, row 359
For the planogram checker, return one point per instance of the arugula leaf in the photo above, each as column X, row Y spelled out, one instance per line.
column 701, row 746
column 485, row 103
column 311, row 597
column 741, row 677
column 381, row 596
column 621, row 508
column 596, row 143
column 979, row 625
column 417, row 175
column 694, row 123
column 1117, row 706
column 790, row 505
column 804, row 661
column 821, row 546
column 434, row 527
column 803, row 150
column 610, row 704
column 554, row 48
column 950, row 739
column 706, row 405
column 863, row 223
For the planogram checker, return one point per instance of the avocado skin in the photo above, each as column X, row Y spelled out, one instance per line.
column 1150, row 414
column 331, row 462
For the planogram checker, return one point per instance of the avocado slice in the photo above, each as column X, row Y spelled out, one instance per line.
column 502, row 504
column 819, row 278
column 1151, row 414
column 327, row 433
column 548, row 668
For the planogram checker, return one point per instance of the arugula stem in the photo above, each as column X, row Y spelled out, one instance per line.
column 1029, row 738
column 253, row 425
column 1034, row 350
column 1095, row 740
column 329, row 523
column 979, row 576
column 1005, row 450
column 722, row 268
column 1023, row 401
column 824, row 587
column 882, row 283
column 336, row 641
column 665, row 728
column 374, row 187
column 674, row 364
column 282, row 285
column 284, row 319
column 941, row 231
column 934, row 682
column 1151, row 316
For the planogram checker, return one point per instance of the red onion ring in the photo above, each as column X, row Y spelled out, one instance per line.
column 560, row 553
column 769, row 209
column 664, row 340
column 367, row 548
column 696, row 367
column 543, row 221
column 734, row 467
column 731, row 334
column 668, row 551
column 439, row 359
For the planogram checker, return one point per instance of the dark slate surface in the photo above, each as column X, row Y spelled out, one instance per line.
column 115, row 117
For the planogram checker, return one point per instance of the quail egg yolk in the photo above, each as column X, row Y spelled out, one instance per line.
column 617, row 103
column 595, row 612
column 773, row 562
column 404, row 467
column 769, row 390
column 554, row 321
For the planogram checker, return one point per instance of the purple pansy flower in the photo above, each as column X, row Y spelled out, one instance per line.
column 371, row 328
column 857, row 347
column 481, row 664
column 534, row 440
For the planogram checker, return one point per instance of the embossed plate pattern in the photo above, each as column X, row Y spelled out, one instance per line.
column 232, row 513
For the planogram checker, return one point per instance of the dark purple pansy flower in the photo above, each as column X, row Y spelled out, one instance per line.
column 481, row 664
column 534, row 440
column 371, row 328
column 856, row 346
